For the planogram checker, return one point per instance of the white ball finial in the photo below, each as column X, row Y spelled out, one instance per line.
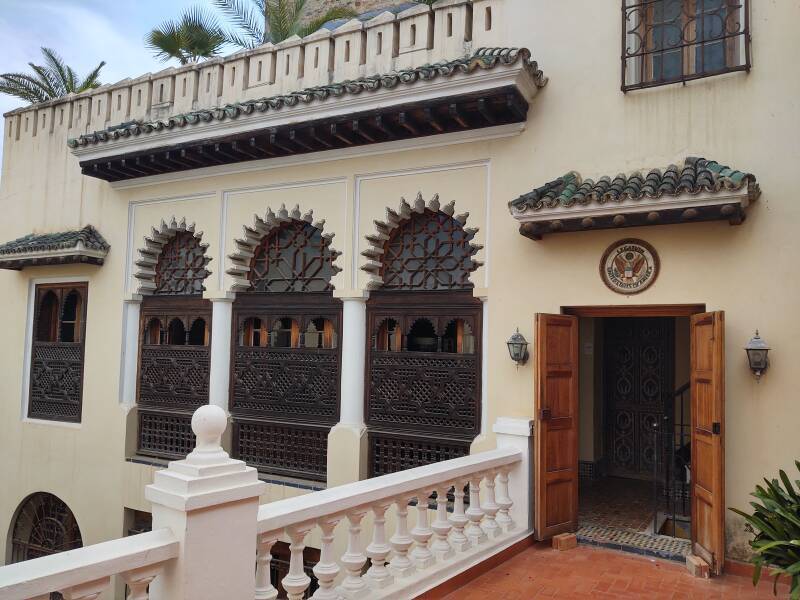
column 208, row 424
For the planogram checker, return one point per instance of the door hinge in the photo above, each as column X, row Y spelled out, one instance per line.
column 545, row 414
column 716, row 428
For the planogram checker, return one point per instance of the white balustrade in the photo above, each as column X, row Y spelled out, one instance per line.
column 421, row 555
column 474, row 513
column 85, row 573
column 206, row 510
column 406, row 563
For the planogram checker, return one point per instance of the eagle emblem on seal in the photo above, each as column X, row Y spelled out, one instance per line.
column 629, row 266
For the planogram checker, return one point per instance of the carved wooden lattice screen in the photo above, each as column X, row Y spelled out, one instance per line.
column 57, row 350
column 174, row 356
column 285, row 372
column 424, row 367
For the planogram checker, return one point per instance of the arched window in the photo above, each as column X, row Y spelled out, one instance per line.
column 176, row 333
column 57, row 352
column 424, row 374
column 43, row 525
column 422, row 337
column 428, row 251
column 70, row 318
column 47, row 322
column 285, row 379
column 320, row 333
column 197, row 333
column 174, row 360
column 458, row 338
column 181, row 266
column 294, row 257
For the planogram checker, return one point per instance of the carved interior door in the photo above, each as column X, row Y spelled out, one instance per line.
column 638, row 382
column 708, row 431
column 556, row 404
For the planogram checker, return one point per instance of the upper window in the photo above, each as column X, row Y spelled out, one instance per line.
column 429, row 251
column 57, row 352
column 294, row 257
column 181, row 266
column 667, row 41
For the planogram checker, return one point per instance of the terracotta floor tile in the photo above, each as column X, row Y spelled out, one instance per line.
column 589, row 572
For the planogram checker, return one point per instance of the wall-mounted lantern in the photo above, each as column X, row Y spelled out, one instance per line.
column 518, row 348
column 757, row 351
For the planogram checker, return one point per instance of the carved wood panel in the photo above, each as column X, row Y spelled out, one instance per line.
column 639, row 373
column 390, row 452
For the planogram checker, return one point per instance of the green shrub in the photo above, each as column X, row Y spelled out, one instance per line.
column 776, row 525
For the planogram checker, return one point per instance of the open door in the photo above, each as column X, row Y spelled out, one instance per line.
column 708, row 430
column 556, row 422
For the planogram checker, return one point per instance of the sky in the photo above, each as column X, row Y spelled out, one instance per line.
column 83, row 32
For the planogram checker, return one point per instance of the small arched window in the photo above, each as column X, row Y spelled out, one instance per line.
column 152, row 332
column 47, row 320
column 176, row 333
column 320, row 334
column 422, row 337
column 285, row 333
column 254, row 333
column 413, row 36
column 389, row 338
column 458, row 338
column 70, row 318
column 198, row 333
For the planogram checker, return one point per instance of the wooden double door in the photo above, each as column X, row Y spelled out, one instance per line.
column 556, row 426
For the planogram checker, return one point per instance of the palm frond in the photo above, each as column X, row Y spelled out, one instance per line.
column 165, row 41
column 22, row 86
column 57, row 66
column 48, row 80
column 92, row 79
column 249, row 19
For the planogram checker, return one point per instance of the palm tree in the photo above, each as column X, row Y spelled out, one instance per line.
column 53, row 80
column 259, row 21
column 194, row 36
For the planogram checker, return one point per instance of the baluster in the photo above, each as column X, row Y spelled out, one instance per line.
column 474, row 512
column 458, row 519
column 138, row 580
column 327, row 569
column 296, row 582
column 401, row 565
column 504, row 501
column 490, row 507
column 264, row 588
column 441, row 527
column 90, row 590
column 378, row 575
column 353, row 585
column 422, row 533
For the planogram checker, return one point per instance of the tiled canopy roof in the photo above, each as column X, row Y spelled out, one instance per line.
column 483, row 58
column 81, row 245
column 696, row 176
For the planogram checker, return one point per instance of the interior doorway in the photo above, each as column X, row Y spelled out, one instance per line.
column 634, row 446
column 613, row 409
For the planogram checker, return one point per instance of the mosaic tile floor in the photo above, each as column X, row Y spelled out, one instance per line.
column 618, row 513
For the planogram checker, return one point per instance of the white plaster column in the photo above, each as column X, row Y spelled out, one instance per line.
column 518, row 434
column 219, row 377
column 131, row 311
column 348, row 437
column 210, row 503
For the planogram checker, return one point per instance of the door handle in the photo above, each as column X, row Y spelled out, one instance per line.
column 545, row 414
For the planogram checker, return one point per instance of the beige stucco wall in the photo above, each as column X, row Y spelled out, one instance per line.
column 579, row 121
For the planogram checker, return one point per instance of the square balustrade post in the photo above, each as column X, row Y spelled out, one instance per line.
column 210, row 502
column 518, row 434
column 349, row 436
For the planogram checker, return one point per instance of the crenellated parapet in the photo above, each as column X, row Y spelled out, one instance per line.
column 387, row 42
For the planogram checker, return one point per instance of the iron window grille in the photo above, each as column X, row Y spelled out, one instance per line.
column 671, row 41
